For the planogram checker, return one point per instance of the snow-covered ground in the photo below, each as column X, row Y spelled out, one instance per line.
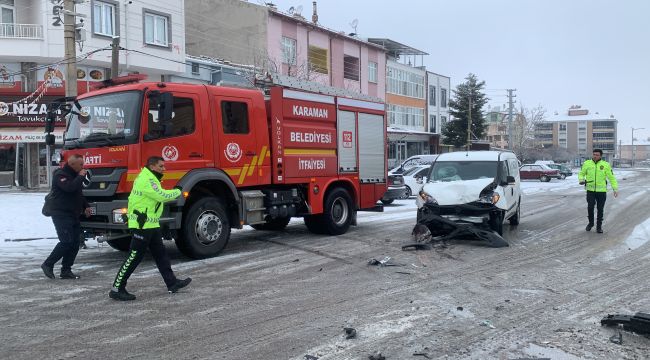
column 536, row 186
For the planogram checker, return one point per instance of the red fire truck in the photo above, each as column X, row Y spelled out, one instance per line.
column 241, row 157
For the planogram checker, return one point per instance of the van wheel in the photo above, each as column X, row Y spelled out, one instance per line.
column 206, row 229
column 121, row 244
column 514, row 219
column 544, row 178
column 387, row 201
column 273, row 224
column 496, row 222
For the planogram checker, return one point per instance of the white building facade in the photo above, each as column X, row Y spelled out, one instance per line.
column 33, row 72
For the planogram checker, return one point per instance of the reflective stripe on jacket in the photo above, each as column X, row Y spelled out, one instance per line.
column 597, row 175
column 147, row 197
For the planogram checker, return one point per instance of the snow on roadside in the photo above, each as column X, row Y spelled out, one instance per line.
column 639, row 237
column 570, row 183
column 21, row 218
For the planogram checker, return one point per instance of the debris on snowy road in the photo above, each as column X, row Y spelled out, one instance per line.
column 376, row 356
column 350, row 333
column 488, row 324
column 617, row 338
column 310, row 357
column 446, row 229
column 639, row 323
column 386, row 261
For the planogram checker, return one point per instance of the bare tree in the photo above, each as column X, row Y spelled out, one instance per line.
column 523, row 130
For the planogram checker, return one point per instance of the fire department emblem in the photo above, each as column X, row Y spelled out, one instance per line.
column 170, row 153
column 233, row 152
column 4, row 108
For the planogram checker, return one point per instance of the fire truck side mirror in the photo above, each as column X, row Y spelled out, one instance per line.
column 165, row 107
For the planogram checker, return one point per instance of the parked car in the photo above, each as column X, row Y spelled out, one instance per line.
column 538, row 171
column 564, row 170
column 414, row 179
column 396, row 189
column 414, row 161
column 481, row 188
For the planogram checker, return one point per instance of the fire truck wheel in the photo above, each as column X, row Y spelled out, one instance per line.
column 273, row 224
column 337, row 213
column 314, row 224
column 206, row 229
column 121, row 244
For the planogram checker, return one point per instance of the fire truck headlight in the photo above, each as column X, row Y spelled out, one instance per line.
column 119, row 216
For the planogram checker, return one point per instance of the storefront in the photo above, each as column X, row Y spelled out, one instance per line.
column 403, row 144
column 23, row 154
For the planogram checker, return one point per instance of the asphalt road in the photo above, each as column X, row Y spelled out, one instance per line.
column 284, row 295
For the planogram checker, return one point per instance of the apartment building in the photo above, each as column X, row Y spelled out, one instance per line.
column 438, row 90
column 579, row 131
column 33, row 73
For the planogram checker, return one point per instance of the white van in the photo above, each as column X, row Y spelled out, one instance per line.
column 478, row 187
column 414, row 161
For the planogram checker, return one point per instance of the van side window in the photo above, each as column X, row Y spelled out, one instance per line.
column 234, row 117
column 182, row 123
column 514, row 168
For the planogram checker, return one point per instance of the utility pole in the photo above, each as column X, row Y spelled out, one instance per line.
column 115, row 57
column 70, row 48
column 469, row 122
column 510, row 106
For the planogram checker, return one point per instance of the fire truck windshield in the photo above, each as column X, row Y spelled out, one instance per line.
column 105, row 120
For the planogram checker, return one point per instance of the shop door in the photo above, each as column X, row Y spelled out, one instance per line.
column 400, row 148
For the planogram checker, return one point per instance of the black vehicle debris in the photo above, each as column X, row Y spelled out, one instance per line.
column 638, row 323
column 434, row 229
column 350, row 333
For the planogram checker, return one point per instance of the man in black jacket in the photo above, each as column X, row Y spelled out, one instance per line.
column 68, row 204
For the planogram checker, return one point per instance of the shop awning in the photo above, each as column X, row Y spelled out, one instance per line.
column 12, row 135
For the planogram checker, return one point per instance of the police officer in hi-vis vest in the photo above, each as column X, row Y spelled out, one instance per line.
column 595, row 174
column 144, row 210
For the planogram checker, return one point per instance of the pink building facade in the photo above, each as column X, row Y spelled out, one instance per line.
column 300, row 48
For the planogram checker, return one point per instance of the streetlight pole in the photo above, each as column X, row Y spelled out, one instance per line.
column 634, row 152
column 469, row 122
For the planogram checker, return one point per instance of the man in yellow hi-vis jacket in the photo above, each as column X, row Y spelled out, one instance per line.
column 595, row 174
column 144, row 210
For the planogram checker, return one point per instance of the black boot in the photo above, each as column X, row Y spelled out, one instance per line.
column 179, row 284
column 121, row 295
column 599, row 227
column 68, row 274
column 589, row 226
column 48, row 270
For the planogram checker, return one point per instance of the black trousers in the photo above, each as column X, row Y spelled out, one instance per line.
column 69, row 231
column 597, row 199
column 141, row 240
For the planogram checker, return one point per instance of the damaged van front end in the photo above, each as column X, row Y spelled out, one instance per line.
column 456, row 209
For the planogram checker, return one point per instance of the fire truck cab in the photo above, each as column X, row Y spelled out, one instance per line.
column 240, row 156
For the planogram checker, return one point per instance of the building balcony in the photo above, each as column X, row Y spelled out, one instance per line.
column 21, row 31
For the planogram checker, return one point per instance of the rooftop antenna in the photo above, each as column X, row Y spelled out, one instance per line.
column 291, row 10
column 354, row 24
column 298, row 10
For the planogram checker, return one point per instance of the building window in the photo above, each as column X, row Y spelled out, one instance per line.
column 234, row 117
column 405, row 83
column 7, row 11
column 372, row 72
column 406, row 117
column 562, row 127
column 104, row 18
column 443, row 98
column 288, row 51
column 351, row 68
column 195, row 68
column 156, row 29
column 432, row 123
column 318, row 59
column 432, row 95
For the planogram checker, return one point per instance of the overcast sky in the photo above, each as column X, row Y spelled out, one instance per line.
column 556, row 53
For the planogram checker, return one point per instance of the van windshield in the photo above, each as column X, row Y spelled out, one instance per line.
column 463, row 170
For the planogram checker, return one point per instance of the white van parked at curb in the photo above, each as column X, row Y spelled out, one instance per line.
column 478, row 187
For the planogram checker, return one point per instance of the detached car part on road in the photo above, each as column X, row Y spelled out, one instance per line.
column 471, row 193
